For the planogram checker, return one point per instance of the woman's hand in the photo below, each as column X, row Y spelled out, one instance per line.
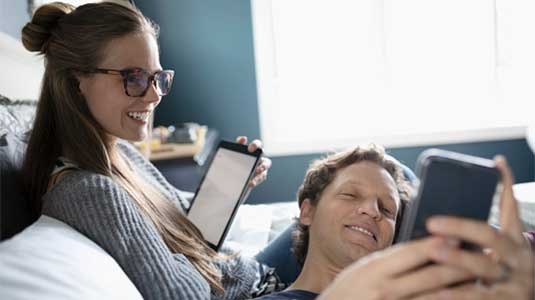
column 506, row 272
column 399, row 272
column 261, row 170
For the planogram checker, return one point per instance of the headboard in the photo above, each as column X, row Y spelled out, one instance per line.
column 20, row 83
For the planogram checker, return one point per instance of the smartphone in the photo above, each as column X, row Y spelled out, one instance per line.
column 223, row 188
column 450, row 184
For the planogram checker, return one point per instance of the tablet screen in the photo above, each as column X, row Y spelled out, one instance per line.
column 220, row 192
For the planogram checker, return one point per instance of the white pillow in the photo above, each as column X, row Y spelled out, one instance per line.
column 51, row 260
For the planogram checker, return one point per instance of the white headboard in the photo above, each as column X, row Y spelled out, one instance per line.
column 21, row 71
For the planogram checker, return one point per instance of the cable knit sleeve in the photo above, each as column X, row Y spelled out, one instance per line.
column 150, row 172
column 98, row 208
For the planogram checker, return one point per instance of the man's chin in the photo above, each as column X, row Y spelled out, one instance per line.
column 358, row 251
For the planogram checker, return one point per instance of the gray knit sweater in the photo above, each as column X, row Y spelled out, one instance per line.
column 100, row 209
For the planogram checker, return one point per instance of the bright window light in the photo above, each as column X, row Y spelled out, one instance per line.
column 335, row 73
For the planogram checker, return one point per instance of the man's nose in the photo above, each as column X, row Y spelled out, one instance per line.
column 369, row 207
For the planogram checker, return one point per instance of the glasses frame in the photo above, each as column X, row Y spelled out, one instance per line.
column 125, row 72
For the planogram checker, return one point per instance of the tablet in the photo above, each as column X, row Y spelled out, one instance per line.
column 223, row 188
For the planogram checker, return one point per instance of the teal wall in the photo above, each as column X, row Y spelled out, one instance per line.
column 287, row 172
column 209, row 44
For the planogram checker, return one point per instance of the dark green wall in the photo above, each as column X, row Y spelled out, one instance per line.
column 209, row 45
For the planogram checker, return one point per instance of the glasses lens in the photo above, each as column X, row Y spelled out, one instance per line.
column 164, row 81
column 137, row 83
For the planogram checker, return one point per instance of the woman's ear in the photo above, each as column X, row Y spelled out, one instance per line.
column 82, row 80
column 81, row 83
column 307, row 210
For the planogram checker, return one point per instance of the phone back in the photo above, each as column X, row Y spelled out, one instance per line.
column 450, row 184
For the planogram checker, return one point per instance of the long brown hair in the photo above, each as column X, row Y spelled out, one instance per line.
column 73, row 39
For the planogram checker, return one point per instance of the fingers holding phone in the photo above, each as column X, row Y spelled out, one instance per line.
column 399, row 272
column 506, row 268
column 450, row 184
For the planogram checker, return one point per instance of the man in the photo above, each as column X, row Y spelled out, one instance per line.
column 350, row 206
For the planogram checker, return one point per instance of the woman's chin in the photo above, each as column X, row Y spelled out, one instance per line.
column 138, row 136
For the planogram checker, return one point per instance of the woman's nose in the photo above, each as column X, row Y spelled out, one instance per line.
column 152, row 94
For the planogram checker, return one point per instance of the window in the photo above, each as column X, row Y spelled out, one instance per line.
column 334, row 73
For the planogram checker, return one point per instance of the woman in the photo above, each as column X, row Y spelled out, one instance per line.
column 102, row 82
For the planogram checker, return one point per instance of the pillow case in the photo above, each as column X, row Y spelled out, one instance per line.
column 14, row 210
column 16, row 118
column 51, row 260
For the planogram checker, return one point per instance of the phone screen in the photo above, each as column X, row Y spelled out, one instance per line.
column 220, row 192
column 451, row 187
column 455, row 190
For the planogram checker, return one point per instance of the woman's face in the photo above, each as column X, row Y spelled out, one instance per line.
column 121, row 115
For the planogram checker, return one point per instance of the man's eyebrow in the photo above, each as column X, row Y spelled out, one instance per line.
column 352, row 182
column 357, row 183
column 391, row 196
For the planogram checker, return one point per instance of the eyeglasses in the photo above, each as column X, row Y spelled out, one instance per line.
column 137, row 81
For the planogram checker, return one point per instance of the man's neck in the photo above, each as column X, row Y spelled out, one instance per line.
column 316, row 275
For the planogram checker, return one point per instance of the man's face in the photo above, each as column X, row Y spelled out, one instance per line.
column 355, row 215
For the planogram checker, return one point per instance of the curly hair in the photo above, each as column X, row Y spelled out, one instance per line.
column 322, row 172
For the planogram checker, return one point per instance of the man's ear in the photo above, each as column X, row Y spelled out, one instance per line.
column 306, row 214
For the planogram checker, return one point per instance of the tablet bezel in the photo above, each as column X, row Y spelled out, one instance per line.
column 242, row 149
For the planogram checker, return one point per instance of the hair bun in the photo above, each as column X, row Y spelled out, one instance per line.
column 36, row 33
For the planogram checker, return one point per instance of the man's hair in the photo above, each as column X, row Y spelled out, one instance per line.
column 322, row 172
